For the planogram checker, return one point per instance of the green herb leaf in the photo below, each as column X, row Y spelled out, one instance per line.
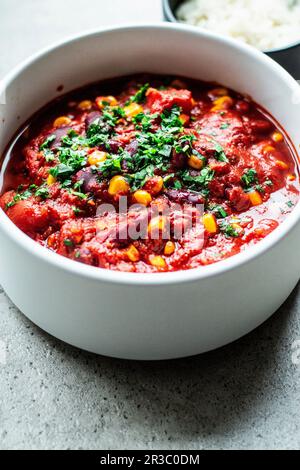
column 46, row 144
column 140, row 95
column 249, row 178
column 42, row 192
column 199, row 182
column 228, row 230
column 225, row 125
column 220, row 154
column 218, row 210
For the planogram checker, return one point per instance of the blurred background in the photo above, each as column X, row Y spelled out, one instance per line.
column 27, row 26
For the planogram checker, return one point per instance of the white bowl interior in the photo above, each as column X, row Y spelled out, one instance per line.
column 161, row 49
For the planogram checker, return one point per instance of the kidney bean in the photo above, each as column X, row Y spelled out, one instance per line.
column 178, row 160
column 132, row 148
column 182, row 197
column 242, row 107
column 91, row 118
column 114, row 146
column 88, row 178
column 238, row 199
column 261, row 126
column 59, row 133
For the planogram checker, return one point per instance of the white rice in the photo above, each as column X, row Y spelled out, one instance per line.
column 265, row 24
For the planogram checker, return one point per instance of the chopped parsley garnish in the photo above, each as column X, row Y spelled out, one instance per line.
column 71, row 161
column 76, row 190
column 140, row 95
column 198, row 182
column 260, row 188
column 228, row 230
column 290, row 204
column 177, row 185
column 68, row 242
column 168, row 178
column 170, row 121
column 46, row 144
column 19, row 197
column 42, row 192
column 220, row 154
column 153, row 150
column 112, row 166
column 49, row 155
column 33, row 190
column 143, row 122
column 76, row 210
column 138, row 179
column 184, row 144
column 249, row 178
column 78, row 194
column 225, row 125
column 218, row 210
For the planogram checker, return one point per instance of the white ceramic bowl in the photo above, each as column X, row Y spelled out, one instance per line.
column 149, row 316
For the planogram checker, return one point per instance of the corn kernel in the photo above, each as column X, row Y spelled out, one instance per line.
column 154, row 185
column 282, row 165
column 62, row 121
column 77, row 235
column 51, row 240
column 101, row 225
column 225, row 102
column 97, row 157
column 158, row 262
column 85, row 105
column 51, row 180
column 269, row 149
column 103, row 101
column 132, row 110
column 157, row 224
column 237, row 227
column 218, row 92
column 184, row 119
column 169, row 248
column 133, row 254
column 195, row 162
column 159, row 205
column 210, row 223
column 142, row 197
column 255, row 198
column 118, row 185
column 291, row 177
column 277, row 137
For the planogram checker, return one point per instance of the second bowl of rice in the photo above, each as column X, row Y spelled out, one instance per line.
column 273, row 27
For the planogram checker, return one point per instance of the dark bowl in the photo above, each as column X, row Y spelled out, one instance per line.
column 288, row 57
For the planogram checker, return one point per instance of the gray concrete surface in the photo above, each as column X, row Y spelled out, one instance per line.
column 53, row 396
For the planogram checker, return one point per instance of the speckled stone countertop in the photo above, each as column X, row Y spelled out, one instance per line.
column 53, row 396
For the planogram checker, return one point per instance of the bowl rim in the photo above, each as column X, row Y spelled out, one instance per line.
column 169, row 12
column 71, row 267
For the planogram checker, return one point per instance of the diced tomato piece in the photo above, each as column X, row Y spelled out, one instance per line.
column 29, row 216
column 239, row 200
column 159, row 100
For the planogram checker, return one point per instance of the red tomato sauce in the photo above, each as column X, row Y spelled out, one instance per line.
column 201, row 173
